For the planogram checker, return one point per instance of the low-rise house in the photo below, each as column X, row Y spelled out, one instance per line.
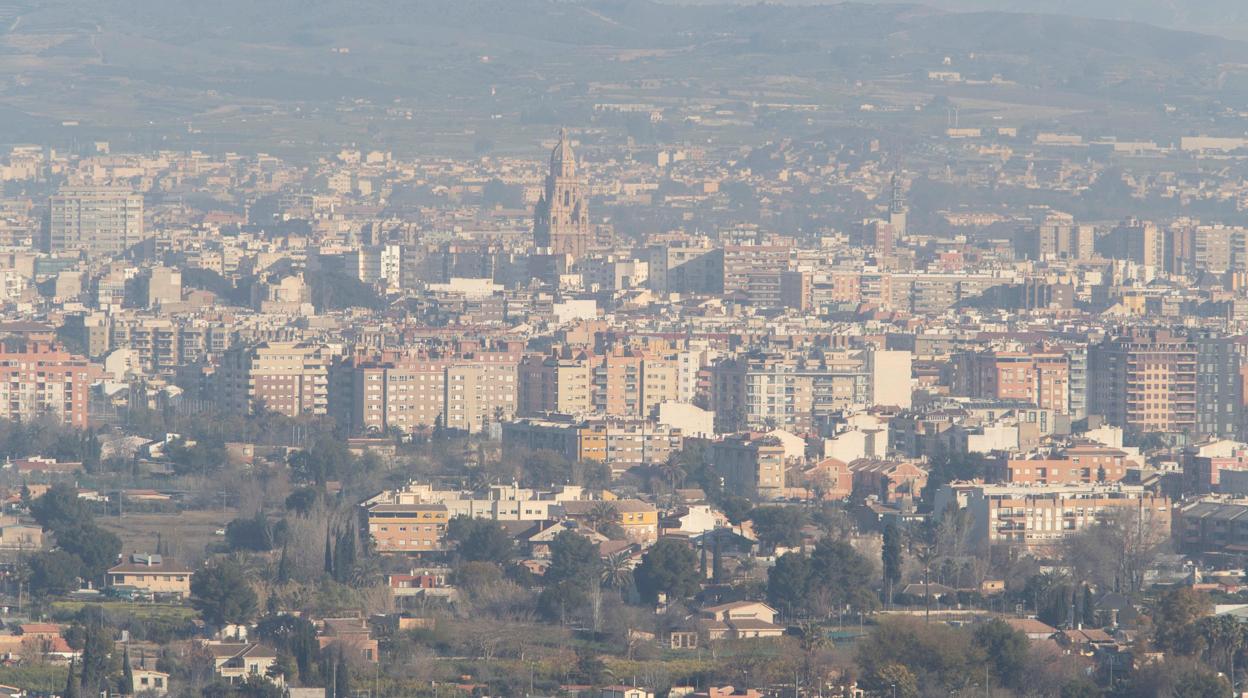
column 149, row 681
column 153, row 573
column 625, row 692
column 350, row 635
column 1084, row 641
column 1035, row 630
column 21, row 537
column 235, row 661
column 639, row 520
column 728, row 692
column 891, row 481
column 741, row 620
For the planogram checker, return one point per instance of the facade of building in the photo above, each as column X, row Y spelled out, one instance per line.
column 1038, row 516
column 400, row 527
column 38, row 378
column 154, row 573
column 751, row 465
column 95, row 220
column 1080, row 464
column 291, row 378
column 1146, row 381
column 1041, row 378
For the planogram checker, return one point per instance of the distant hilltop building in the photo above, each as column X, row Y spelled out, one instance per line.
column 97, row 220
column 561, row 217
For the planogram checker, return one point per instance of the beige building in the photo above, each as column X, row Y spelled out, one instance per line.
column 149, row 681
column 154, row 573
column 414, row 390
column 291, row 378
column 752, row 465
column 554, row 384
column 96, row 220
column 1042, row 515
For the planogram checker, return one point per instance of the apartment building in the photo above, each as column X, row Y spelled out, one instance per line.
column 1213, row 525
column 401, row 527
column 95, row 220
column 466, row 388
column 291, row 378
column 1040, row 377
column 751, row 465
column 1036, row 516
column 1145, row 380
column 39, row 378
column 620, row 443
column 1079, row 464
column 624, row 382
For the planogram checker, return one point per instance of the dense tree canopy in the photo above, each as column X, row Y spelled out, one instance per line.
column 669, row 567
column 481, row 540
column 835, row 575
column 222, row 594
column 778, row 526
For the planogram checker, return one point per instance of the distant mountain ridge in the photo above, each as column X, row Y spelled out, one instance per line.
column 179, row 60
column 1226, row 18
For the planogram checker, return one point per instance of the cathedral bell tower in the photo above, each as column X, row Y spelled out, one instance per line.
column 561, row 217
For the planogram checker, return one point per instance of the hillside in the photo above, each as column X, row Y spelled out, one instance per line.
column 271, row 70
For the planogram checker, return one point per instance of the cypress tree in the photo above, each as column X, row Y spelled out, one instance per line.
column 283, row 567
column 342, row 677
column 127, row 673
column 71, row 686
column 1089, row 610
column 329, row 554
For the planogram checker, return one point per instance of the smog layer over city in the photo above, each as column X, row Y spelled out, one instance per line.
column 623, row 349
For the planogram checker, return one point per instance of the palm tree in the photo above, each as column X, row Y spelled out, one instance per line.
column 616, row 571
column 601, row 515
column 673, row 473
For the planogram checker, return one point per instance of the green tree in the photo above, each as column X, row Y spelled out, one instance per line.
column 255, row 533
column 222, row 594
column 602, row 515
column 590, row 669
column 843, row 575
column 323, row 461
column 342, row 677
column 895, row 680
column 939, row 656
column 1224, row 638
column 54, row 573
column 96, row 548
column 294, row 636
column 481, row 540
column 1080, row 688
column 616, row 571
column 890, row 556
column 71, row 681
column 1177, row 678
column 1005, row 649
column 788, row 583
column 256, row 686
column 736, row 509
column 303, row 499
column 345, row 556
column 573, row 558
column 127, row 673
column 669, row 567
column 778, row 526
column 575, row 568
column 60, row 508
column 1174, row 621
column 95, row 644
